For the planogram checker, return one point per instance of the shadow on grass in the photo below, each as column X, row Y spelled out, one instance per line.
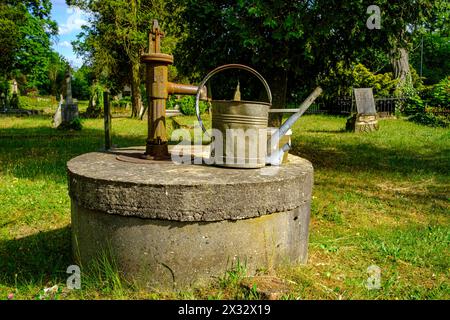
column 41, row 258
column 42, row 152
column 328, row 131
column 366, row 157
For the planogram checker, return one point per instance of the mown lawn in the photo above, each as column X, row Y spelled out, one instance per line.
column 379, row 199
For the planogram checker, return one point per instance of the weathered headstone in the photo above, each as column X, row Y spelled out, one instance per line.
column 366, row 118
column 57, row 118
column 365, row 103
column 70, row 109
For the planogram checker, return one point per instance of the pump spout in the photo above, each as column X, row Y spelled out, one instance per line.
column 275, row 138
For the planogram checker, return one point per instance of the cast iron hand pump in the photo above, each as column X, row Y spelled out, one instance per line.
column 158, row 89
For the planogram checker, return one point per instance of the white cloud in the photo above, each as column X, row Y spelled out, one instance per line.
column 74, row 61
column 65, row 44
column 74, row 21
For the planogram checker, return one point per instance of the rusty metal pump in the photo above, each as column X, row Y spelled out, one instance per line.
column 158, row 90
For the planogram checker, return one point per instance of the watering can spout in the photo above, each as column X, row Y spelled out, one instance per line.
column 274, row 140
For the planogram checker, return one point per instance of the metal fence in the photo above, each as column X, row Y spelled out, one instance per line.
column 385, row 106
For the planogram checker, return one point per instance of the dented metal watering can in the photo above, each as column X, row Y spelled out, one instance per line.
column 240, row 134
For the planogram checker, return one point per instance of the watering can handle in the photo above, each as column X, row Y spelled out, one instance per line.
column 219, row 69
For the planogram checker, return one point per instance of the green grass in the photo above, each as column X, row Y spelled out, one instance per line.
column 46, row 104
column 379, row 199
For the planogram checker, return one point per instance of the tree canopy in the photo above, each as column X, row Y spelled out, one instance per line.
column 296, row 40
column 26, row 33
column 115, row 39
column 296, row 45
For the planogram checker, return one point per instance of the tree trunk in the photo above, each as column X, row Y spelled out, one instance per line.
column 278, row 86
column 136, row 99
column 400, row 64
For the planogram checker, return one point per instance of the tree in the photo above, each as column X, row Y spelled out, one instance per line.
column 35, row 54
column 293, row 43
column 56, row 69
column 435, row 61
column 434, row 38
column 10, row 16
column 340, row 27
column 83, row 78
column 116, row 38
column 268, row 35
column 25, row 33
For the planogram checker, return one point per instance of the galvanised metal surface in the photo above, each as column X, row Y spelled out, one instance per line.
column 243, row 141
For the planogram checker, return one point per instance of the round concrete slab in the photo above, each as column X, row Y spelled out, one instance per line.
column 168, row 191
column 169, row 226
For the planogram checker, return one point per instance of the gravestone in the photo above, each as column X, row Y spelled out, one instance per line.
column 70, row 108
column 366, row 118
column 57, row 118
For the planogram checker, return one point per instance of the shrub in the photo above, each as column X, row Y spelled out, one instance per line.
column 430, row 119
column 14, row 102
column 340, row 80
column 124, row 102
column 440, row 94
column 75, row 124
column 412, row 105
column 187, row 105
column 171, row 102
column 94, row 110
column 432, row 107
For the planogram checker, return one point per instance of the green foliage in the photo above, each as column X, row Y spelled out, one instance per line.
column 340, row 80
column 187, row 105
column 95, row 106
column 10, row 16
column 436, row 55
column 302, row 39
column 413, row 105
column 26, row 54
column 4, row 88
column 124, row 102
column 14, row 102
column 430, row 119
column 171, row 102
column 440, row 94
column 44, row 104
column 114, row 40
column 82, row 81
column 56, row 72
column 96, row 93
column 234, row 275
column 433, row 108
column 75, row 124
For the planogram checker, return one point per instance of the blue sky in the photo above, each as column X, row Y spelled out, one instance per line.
column 70, row 20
